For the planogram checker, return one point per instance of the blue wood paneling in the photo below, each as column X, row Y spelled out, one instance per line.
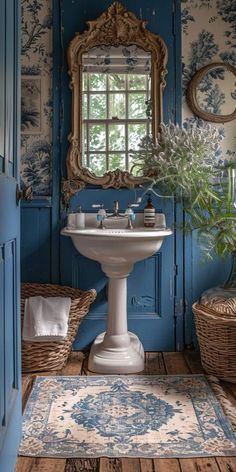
column 10, row 394
column 2, row 356
column 36, row 231
column 200, row 274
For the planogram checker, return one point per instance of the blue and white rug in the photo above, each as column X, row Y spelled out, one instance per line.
column 125, row 416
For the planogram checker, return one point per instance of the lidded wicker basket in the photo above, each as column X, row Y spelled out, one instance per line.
column 42, row 356
column 215, row 320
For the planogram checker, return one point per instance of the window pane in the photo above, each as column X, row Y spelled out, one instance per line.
column 84, row 138
column 98, row 106
column 116, row 161
column 97, row 163
column 97, row 81
column 97, row 137
column 84, row 160
column 137, row 105
column 116, row 136
column 116, row 105
column 84, row 106
column 116, row 81
column 132, row 161
column 85, row 81
column 137, row 82
column 135, row 133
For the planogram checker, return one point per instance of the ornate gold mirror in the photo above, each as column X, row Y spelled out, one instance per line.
column 211, row 93
column 117, row 69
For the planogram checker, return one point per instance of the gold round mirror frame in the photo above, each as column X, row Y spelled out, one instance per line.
column 191, row 94
column 114, row 27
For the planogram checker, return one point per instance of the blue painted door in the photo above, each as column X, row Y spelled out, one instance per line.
column 151, row 285
column 10, row 398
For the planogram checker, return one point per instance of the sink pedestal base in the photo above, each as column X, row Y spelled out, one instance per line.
column 127, row 360
column 117, row 351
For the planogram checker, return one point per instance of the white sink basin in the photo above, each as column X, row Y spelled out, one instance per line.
column 117, row 246
column 117, row 249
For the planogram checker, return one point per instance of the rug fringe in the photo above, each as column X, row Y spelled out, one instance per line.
column 227, row 406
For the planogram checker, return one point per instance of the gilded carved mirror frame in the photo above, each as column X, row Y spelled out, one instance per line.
column 116, row 26
column 191, row 94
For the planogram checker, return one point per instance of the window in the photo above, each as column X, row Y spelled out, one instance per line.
column 115, row 115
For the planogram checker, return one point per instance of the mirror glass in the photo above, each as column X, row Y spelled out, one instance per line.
column 216, row 92
column 116, row 106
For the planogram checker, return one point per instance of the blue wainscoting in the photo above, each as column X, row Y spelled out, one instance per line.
column 36, row 243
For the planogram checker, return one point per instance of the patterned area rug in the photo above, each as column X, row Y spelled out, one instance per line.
column 126, row 416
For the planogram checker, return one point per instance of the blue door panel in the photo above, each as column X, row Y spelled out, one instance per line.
column 9, row 328
column 144, row 287
column 2, row 335
column 10, row 395
column 11, row 439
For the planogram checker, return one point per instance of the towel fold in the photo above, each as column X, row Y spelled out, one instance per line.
column 46, row 319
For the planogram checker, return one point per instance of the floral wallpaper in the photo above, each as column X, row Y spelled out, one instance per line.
column 36, row 95
column 209, row 35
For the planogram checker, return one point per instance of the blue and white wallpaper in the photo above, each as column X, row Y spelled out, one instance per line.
column 208, row 35
column 36, row 95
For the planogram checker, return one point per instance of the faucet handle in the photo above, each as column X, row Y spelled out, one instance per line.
column 130, row 212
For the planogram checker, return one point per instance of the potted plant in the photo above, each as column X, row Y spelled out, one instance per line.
column 185, row 163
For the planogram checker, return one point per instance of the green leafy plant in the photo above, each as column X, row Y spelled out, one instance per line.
column 183, row 164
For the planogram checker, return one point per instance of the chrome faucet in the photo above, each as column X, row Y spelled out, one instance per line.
column 115, row 211
column 102, row 215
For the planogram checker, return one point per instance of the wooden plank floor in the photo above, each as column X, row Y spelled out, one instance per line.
column 156, row 363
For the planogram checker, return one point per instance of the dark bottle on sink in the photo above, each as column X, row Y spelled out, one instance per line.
column 149, row 214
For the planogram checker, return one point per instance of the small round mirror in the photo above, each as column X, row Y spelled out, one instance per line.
column 211, row 94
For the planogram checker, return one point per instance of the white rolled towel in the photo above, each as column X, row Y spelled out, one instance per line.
column 46, row 319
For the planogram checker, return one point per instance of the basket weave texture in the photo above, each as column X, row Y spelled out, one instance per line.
column 42, row 356
column 217, row 341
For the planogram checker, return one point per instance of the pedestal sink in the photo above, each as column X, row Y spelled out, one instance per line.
column 117, row 249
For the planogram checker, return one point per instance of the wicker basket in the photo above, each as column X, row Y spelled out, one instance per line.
column 217, row 341
column 41, row 356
